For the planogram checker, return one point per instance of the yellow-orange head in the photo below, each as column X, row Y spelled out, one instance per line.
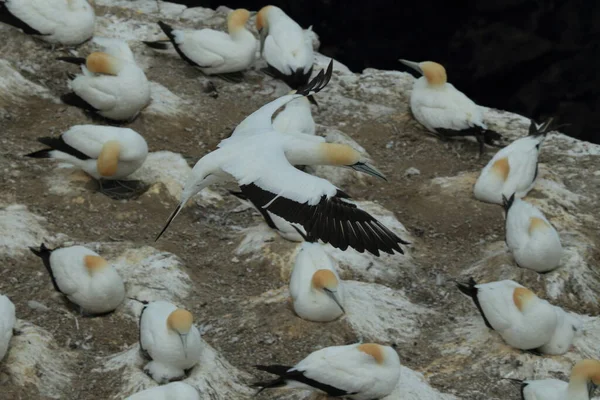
column 94, row 263
column 324, row 279
column 262, row 20
column 102, row 63
column 522, row 296
column 237, row 19
column 374, row 350
column 180, row 321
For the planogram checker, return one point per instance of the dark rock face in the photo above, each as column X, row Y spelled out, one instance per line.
column 537, row 58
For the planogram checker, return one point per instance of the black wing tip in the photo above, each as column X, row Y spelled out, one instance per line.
column 167, row 29
column 318, row 82
column 536, row 129
column 74, row 100
column 157, row 45
column 41, row 251
column 72, row 60
column 44, row 153
column 468, row 288
column 507, row 203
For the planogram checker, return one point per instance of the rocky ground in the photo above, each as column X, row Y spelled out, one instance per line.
column 219, row 259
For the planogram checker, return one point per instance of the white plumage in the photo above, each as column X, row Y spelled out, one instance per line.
column 562, row 339
column 296, row 117
column 7, row 324
column 585, row 375
column 170, row 339
column 531, row 238
column 315, row 286
column 84, row 277
column 285, row 46
column 67, row 22
column 513, row 169
column 216, row 52
column 358, row 371
column 112, row 83
column 521, row 318
column 171, row 391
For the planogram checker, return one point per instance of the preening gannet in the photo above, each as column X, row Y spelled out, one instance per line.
column 108, row 154
column 513, row 169
column 7, row 324
column 170, row 339
column 358, row 371
column 67, row 22
column 521, row 318
column 262, row 162
column 443, row 109
column 85, row 278
column 315, row 286
column 531, row 238
column 170, row 391
column 285, row 46
column 585, row 377
column 112, row 85
column 215, row 52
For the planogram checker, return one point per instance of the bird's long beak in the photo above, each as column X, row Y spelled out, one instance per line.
column 183, row 339
column 368, row 169
column 171, row 218
column 413, row 65
column 332, row 295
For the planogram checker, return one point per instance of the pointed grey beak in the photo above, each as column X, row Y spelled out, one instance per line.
column 332, row 295
column 171, row 218
column 368, row 169
column 183, row 339
column 413, row 65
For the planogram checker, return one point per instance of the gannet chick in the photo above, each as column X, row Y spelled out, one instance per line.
column 585, row 377
column 443, row 109
column 171, row 391
column 562, row 339
column 7, row 324
column 169, row 338
column 513, row 169
column 108, row 154
column 85, row 278
column 66, row 22
column 358, row 371
column 315, row 286
column 533, row 241
column 112, row 85
column 262, row 162
column 521, row 318
column 296, row 117
column 215, row 52
column 285, row 46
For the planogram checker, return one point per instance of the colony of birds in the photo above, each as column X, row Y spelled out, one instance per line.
column 280, row 139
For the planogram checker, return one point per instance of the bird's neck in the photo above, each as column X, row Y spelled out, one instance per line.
column 577, row 389
column 240, row 34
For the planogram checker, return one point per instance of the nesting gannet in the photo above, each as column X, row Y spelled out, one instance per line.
column 262, row 162
column 215, row 52
column 315, row 286
column 112, row 85
column 169, row 338
column 443, row 109
column 562, row 339
column 7, row 324
column 533, row 241
column 171, row 391
column 108, row 154
column 296, row 117
column 513, row 169
column 521, row 318
column 85, row 278
column 585, row 377
column 285, row 46
column 358, row 371
column 67, row 22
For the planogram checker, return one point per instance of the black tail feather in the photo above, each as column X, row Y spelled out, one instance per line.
column 239, row 195
column 8, row 18
column 74, row 100
column 470, row 290
column 45, row 153
column 158, row 44
column 44, row 253
column 72, row 60
column 285, row 374
column 540, row 129
column 507, row 203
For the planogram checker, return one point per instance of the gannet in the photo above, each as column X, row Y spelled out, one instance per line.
column 521, row 318
column 531, row 238
column 562, row 339
column 513, row 169
column 108, row 154
column 169, row 338
column 285, row 46
column 85, row 278
column 358, row 371
column 262, row 162
column 315, row 286
column 296, row 117
column 112, row 85
column 67, row 22
column 443, row 109
column 170, row 391
column 215, row 52
column 7, row 324
column 585, row 377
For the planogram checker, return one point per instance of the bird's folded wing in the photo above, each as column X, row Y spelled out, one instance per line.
column 275, row 55
column 99, row 91
column 497, row 305
column 523, row 164
column 39, row 14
